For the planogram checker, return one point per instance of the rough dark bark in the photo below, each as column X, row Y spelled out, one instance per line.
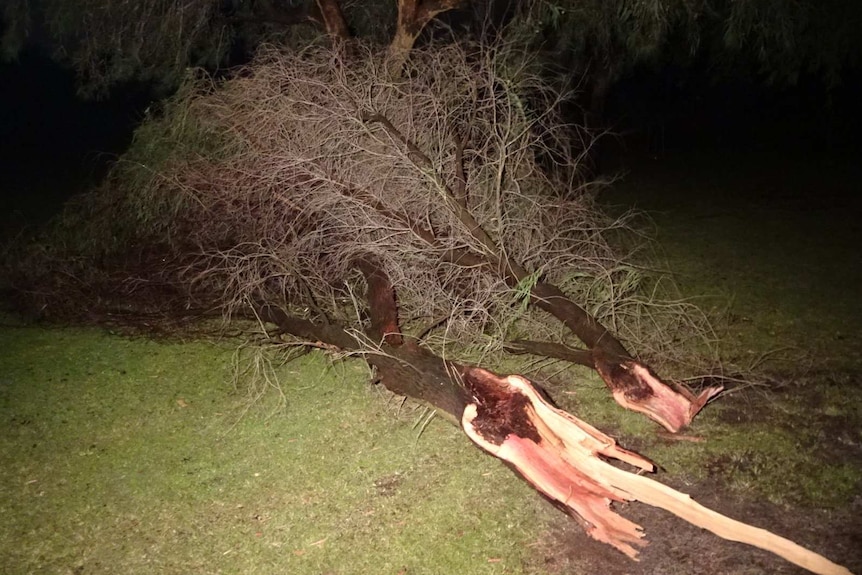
column 401, row 366
column 558, row 454
column 633, row 384
column 381, row 300
column 600, row 82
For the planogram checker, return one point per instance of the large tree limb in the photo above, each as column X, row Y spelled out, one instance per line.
column 560, row 456
column 633, row 384
column 404, row 369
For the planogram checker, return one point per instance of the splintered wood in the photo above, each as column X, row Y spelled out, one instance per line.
column 562, row 457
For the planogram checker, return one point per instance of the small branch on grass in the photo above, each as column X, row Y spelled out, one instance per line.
column 329, row 333
column 550, row 349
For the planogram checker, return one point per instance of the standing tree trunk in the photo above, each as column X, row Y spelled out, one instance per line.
column 413, row 16
column 333, row 19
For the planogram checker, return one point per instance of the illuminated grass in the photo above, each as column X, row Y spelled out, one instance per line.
column 130, row 456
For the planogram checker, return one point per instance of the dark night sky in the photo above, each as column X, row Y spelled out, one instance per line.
column 740, row 113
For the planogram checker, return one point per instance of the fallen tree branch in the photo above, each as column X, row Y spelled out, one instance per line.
column 559, row 455
column 551, row 349
column 631, row 378
column 633, row 384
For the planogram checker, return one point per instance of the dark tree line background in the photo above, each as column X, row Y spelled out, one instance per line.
column 661, row 73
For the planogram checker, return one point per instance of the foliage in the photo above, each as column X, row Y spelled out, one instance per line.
column 153, row 43
column 776, row 39
column 270, row 186
column 608, row 34
column 109, row 243
column 789, row 38
column 125, row 219
column 303, row 185
column 109, row 42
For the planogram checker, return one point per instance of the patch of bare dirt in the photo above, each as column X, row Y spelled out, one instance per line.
column 678, row 548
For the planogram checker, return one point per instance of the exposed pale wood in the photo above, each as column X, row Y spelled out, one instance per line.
column 559, row 455
column 635, row 387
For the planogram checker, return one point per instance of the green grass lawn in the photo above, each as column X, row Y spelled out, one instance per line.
column 129, row 456
column 773, row 239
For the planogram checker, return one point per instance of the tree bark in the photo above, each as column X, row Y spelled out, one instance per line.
column 561, row 456
column 413, row 16
column 401, row 366
column 333, row 19
column 633, row 385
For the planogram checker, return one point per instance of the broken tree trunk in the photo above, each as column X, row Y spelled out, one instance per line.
column 561, row 456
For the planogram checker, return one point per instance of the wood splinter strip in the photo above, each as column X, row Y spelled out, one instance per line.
column 564, row 465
